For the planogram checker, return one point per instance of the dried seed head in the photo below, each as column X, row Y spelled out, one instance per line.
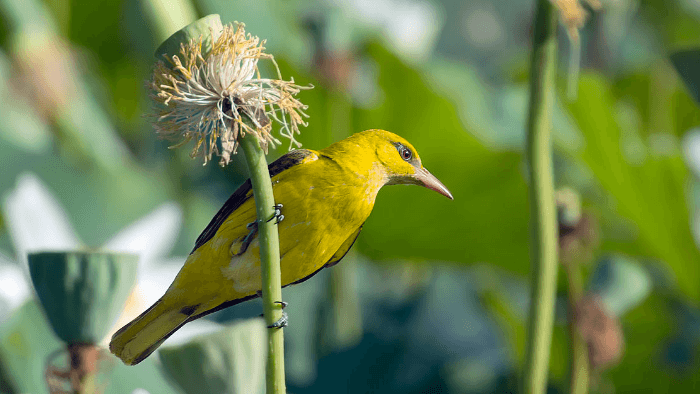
column 215, row 98
column 602, row 332
column 573, row 16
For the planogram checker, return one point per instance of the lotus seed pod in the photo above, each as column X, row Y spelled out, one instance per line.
column 82, row 293
column 208, row 28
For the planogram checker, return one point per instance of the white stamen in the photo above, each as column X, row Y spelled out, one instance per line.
column 193, row 90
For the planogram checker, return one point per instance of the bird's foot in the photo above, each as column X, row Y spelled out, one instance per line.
column 278, row 214
column 282, row 321
column 253, row 229
column 282, row 303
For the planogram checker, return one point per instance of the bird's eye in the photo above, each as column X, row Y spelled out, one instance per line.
column 405, row 153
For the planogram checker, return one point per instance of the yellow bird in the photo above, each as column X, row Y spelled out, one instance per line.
column 326, row 196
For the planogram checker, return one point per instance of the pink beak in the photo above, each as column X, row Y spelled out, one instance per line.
column 431, row 182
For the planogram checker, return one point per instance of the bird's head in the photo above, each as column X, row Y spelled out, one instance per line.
column 401, row 162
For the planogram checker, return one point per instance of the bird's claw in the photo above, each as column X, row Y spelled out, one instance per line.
column 252, row 230
column 278, row 214
column 282, row 321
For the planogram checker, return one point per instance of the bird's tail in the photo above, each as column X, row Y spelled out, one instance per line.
column 138, row 339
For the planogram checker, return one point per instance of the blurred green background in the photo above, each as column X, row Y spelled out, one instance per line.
column 434, row 297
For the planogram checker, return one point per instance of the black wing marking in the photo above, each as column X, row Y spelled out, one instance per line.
column 243, row 193
column 222, row 306
column 289, row 160
column 236, row 200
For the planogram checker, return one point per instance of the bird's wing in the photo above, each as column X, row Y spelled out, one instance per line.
column 245, row 191
column 344, row 248
column 241, row 195
column 337, row 256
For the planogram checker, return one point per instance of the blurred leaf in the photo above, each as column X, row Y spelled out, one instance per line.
column 655, row 101
column 647, row 328
column 108, row 200
column 670, row 22
column 21, row 126
column 341, row 315
column 146, row 376
column 496, row 115
column 621, row 283
column 487, row 221
column 98, row 26
column 274, row 21
column 229, row 361
column 26, row 341
column 5, row 381
column 41, row 51
column 82, row 293
column 559, row 352
column 36, row 219
column 687, row 64
column 425, row 330
column 507, row 299
column 645, row 184
column 494, row 294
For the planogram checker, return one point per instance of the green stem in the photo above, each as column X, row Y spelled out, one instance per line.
column 543, row 209
column 578, row 373
column 269, row 260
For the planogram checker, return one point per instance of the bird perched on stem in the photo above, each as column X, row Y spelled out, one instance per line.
column 326, row 197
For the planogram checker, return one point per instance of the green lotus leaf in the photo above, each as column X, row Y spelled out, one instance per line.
column 621, row 283
column 687, row 64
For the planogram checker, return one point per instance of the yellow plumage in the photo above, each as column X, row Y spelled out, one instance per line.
column 326, row 195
